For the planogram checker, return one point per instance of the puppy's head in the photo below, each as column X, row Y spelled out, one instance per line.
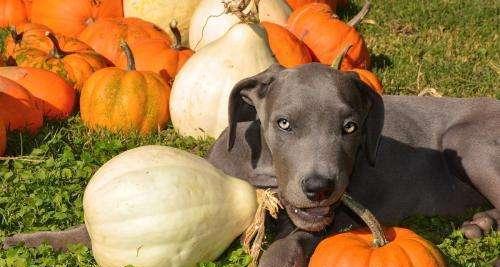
column 314, row 120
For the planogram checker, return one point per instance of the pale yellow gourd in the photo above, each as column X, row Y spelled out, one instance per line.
column 156, row 206
column 211, row 20
column 200, row 92
column 275, row 11
column 162, row 12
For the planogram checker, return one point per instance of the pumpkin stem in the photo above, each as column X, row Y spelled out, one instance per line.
column 128, row 53
column 338, row 61
column 247, row 11
column 56, row 52
column 17, row 37
column 177, row 35
column 379, row 238
column 361, row 14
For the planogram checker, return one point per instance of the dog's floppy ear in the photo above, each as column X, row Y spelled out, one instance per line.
column 374, row 121
column 244, row 97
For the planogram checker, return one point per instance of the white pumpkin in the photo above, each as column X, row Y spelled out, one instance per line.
column 156, row 206
column 200, row 92
column 275, row 11
column 162, row 12
column 209, row 21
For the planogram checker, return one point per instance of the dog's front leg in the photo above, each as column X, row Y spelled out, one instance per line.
column 293, row 250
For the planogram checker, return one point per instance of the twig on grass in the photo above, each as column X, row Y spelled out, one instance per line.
column 25, row 158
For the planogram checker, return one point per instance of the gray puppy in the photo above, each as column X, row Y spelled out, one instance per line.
column 314, row 133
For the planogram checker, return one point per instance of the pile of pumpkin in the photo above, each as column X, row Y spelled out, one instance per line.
column 128, row 66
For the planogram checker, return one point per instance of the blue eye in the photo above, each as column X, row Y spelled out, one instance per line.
column 284, row 124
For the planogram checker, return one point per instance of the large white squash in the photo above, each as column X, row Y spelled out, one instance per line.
column 156, row 206
column 200, row 92
column 162, row 12
column 210, row 21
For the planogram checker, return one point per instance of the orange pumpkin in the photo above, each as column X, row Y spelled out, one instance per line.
column 71, row 59
column 3, row 137
column 71, row 17
column 105, row 35
column 371, row 79
column 394, row 247
column 159, row 56
column 289, row 50
column 368, row 77
column 12, row 12
column 326, row 35
column 53, row 96
column 125, row 100
column 27, row 6
column 23, row 35
column 18, row 111
column 296, row 4
column 355, row 249
column 32, row 35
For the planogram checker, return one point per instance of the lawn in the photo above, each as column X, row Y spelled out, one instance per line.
column 448, row 46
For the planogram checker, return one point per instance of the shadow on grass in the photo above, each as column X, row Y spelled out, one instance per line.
column 346, row 13
column 381, row 61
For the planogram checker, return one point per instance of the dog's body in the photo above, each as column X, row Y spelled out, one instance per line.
column 433, row 154
column 313, row 132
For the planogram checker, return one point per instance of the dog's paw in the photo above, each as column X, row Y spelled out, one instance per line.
column 481, row 223
column 28, row 240
column 286, row 252
column 12, row 241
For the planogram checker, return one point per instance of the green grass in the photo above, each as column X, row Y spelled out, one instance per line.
column 450, row 46
column 42, row 189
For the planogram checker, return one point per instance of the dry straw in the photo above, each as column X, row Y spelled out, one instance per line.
column 253, row 237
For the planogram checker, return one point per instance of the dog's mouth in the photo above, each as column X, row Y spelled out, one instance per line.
column 313, row 213
column 310, row 218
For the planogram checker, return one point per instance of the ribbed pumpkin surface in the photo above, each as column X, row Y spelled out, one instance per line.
column 121, row 100
column 74, row 62
column 26, row 34
column 289, row 50
column 156, row 55
column 71, row 17
column 104, row 35
column 354, row 249
column 296, row 4
column 327, row 36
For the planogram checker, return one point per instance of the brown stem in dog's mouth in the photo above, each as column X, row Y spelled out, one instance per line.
column 379, row 238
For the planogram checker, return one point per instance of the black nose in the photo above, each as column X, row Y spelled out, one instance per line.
column 318, row 188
